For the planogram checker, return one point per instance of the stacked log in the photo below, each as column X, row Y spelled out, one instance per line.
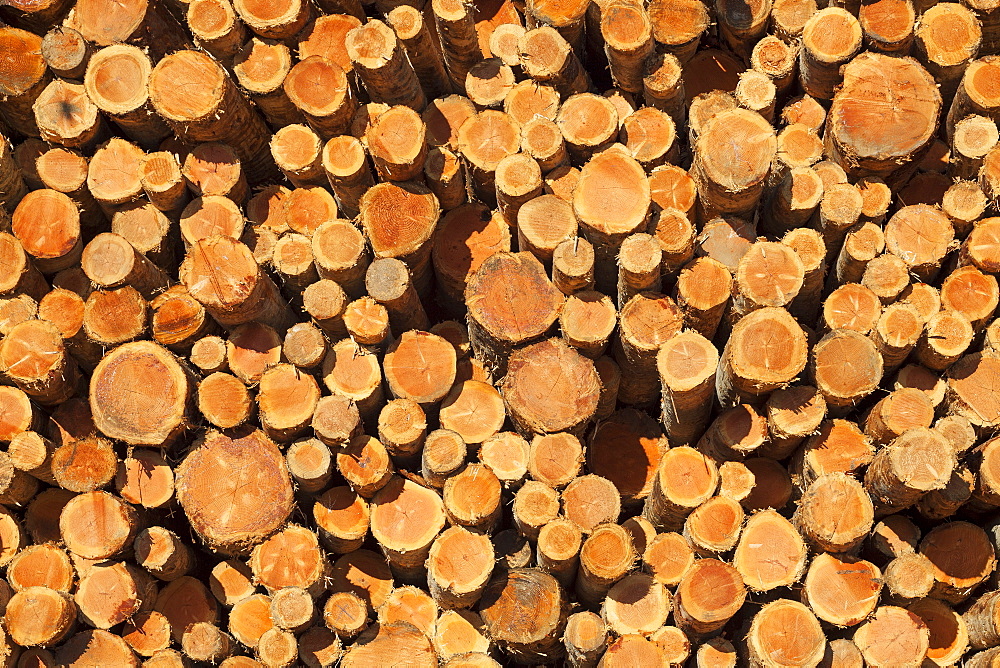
column 598, row 333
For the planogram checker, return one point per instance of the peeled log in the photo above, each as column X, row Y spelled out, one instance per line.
column 235, row 490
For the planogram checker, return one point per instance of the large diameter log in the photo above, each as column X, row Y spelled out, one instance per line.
column 888, row 147
column 524, row 611
column 549, row 387
column 235, row 490
column 499, row 318
column 405, row 519
column 218, row 112
column 766, row 350
column 139, row 393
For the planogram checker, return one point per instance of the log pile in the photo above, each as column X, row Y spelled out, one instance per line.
column 588, row 333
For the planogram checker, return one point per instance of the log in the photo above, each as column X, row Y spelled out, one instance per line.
column 678, row 26
column 116, row 83
column 197, row 119
column 54, row 245
column 214, row 168
column 65, row 51
column 418, row 42
column 893, row 632
column 65, row 171
column 947, row 59
column 344, row 613
column 161, row 179
column 684, row 480
column 776, row 59
column 785, row 629
column 24, row 79
column 842, row 590
column 488, row 82
column 850, row 148
column 279, row 22
column 628, row 40
column 731, row 180
column 472, row 498
column 236, row 523
column 687, row 363
column 39, row 616
column 147, row 633
column 740, row 377
column 216, row 28
column 585, row 638
column 260, row 67
column 709, row 594
column 714, row 527
column 770, row 552
column 405, row 519
column 898, row 475
column 34, row 357
column 835, row 513
column 605, row 558
column 506, row 455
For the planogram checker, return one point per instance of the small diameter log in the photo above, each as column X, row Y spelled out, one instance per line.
column 529, row 99
column 684, row 480
column 917, row 462
column 573, row 266
column 795, row 200
column 110, row 261
column 310, row 464
column 162, row 181
column 65, row 51
column 472, row 498
column 409, row 604
column 66, row 115
column 367, row 323
column 388, row 282
column 785, row 629
column 771, row 552
column 893, row 635
column 687, row 364
column 234, row 522
column 231, row 582
column 474, row 410
column 558, row 549
column 846, row 367
column 261, row 67
column 792, row 415
column 20, row 275
column 650, row 135
column 216, row 28
column 663, row 86
column 896, row 333
column 542, row 224
column 830, row 38
column 39, row 616
column 903, row 409
column 340, row 255
column 444, row 176
column 383, row 66
column 678, row 26
column 846, row 141
column 842, row 590
column 250, row 618
column 518, row 180
column 304, row 345
column 639, row 259
column 488, row 83
column 909, row 577
column 319, row 89
column 548, row 58
column 297, row 151
column 63, row 170
column 668, row 557
column 342, row 518
column 506, row 454
column 238, row 293
column 85, row 465
column 147, row 633
column 833, row 530
column 442, row 457
column 405, row 519
column 949, row 638
column 416, row 349
column 542, row 139
column 215, row 169
column 418, row 42
column 730, row 181
column 628, row 41
column 101, row 540
column 947, row 58
column 145, row 478
column 962, row 559
column 777, row 60
column 456, row 29
column 116, row 82
column 281, row 21
column 198, row 119
column 402, row 426
column 28, row 451
column 585, row 638
column 113, row 317
column 364, row 463
column 714, row 527
column 33, row 356
column 587, row 321
column 286, row 399
column 607, row 221
column 745, row 374
column 291, row 557
column 590, row 501
column 606, row 556
column 455, row 586
column 344, row 613
column 710, row 593
column 974, row 137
